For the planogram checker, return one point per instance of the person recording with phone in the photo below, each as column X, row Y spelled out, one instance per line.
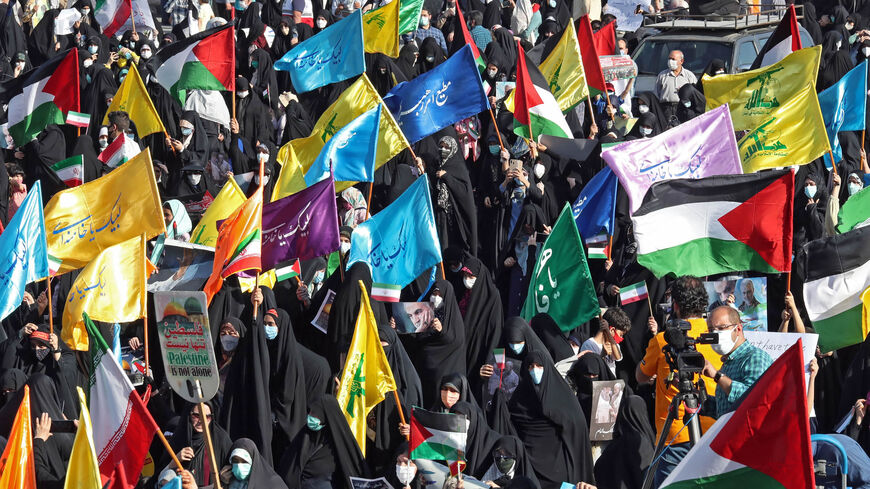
column 742, row 362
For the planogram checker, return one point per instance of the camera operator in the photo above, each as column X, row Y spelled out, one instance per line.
column 742, row 362
column 689, row 303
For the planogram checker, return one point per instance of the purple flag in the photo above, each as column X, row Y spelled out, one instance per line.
column 702, row 147
column 303, row 225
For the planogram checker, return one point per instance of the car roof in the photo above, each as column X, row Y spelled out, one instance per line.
column 716, row 36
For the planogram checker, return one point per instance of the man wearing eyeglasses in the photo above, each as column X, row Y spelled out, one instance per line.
column 742, row 362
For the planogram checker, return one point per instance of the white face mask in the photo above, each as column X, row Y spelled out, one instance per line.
column 725, row 344
column 491, row 73
column 405, row 473
column 537, row 374
column 643, row 109
column 866, row 52
column 229, row 342
column 646, row 131
column 673, row 65
column 242, row 94
column 539, row 170
column 264, row 157
column 854, row 188
column 575, row 348
column 146, row 53
column 344, row 247
column 623, row 51
column 436, row 301
column 87, row 63
column 839, row 43
column 424, row 21
column 719, row 72
column 687, row 103
column 469, row 282
column 321, row 23
column 194, row 178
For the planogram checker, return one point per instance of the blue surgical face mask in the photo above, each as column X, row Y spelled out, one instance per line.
column 314, row 424
column 854, row 188
column 537, row 374
column 318, row 276
column 93, row 49
column 271, row 331
column 517, row 347
column 810, row 191
column 242, row 471
column 552, row 3
column 186, row 131
column 255, row 64
column 494, row 149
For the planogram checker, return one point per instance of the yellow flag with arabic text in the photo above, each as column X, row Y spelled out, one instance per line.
column 366, row 377
column 111, row 289
column 381, row 30
column 230, row 198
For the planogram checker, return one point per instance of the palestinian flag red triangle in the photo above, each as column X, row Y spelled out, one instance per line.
column 438, row 436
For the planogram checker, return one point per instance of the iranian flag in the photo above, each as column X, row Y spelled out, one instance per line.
column 386, row 292
column 70, row 170
column 124, row 428
column 438, row 436
column 117, row 16
column 726, row 223
column 42, row 96
column 536, row 111
column 633, row 293
column 119, row 151
column 835, row 272
column 203, row 61
column 771, row 419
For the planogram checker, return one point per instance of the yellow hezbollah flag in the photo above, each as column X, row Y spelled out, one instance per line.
column 381, row 30
column 563, row 70
column 356, row 99
column 292, row 178
column 83, row 221
column 753, row 96
column 366, row 376
column 794, row 134
column 83, row 471
column 133, row 99
column 111, row 288
column 227, row 201
column 17, row 470
column 865, row 316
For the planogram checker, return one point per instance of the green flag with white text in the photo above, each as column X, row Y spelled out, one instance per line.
column 409, row 15
column 561, row 285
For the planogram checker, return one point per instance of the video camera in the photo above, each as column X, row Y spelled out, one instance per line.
column 681, row 351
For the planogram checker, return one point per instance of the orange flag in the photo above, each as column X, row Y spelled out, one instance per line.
column 16, row 463
column 238, row 243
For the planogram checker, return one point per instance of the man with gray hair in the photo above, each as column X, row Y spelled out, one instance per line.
column 669, row 81
column 742, row 362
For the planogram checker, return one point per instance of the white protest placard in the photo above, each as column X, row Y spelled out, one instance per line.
column 623, row 10
column 775, row 344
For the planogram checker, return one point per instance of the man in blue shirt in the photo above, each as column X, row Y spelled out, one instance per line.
column 742, row 362
column 425, row 30
column 479, row 34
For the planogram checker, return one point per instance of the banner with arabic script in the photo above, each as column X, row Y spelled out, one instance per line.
column 701, row 147
column 452, row 91
column 83, row 221
column 186, row 344
column 303, row 225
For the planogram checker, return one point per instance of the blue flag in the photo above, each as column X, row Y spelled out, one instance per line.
column 400, row 242
column 452, row 91
column 333, row 55
column 844, row 106
column 351, row 152
column 595, row 207
column 25, row 250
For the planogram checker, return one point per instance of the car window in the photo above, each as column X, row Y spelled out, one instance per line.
column 746, row 54
column 652, row 55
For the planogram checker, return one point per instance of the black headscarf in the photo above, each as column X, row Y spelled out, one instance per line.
column 810, row 22
column 262, row 475
column 517, row 330
column 11, row 380
column 587, row 369
column 460, row 383
column 287, row 387
column 480, row 441
column 502, row 50
column 712, row 67
column 345, row 309
column 430, row 49
column 650, row 100
column 407, row 61
column 545, row 416
column 330, row 450
column 383, row 73
column 624, row 461
column 263, row 81
column 554, row 340
column 186, row 436
column 483, row 315
column 93, row 167
column 649, row 119
column 835, row 62
column 688, row 93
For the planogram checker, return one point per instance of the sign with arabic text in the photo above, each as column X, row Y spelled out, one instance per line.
column 186, row 344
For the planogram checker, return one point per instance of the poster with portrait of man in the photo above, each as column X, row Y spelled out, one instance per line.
column 606, row 396
column 746, row 294
column 412, row 317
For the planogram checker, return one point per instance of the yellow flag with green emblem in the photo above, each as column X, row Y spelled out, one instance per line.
column 225, row 203
column 563, row 70
column 366, row 377
column 133, row 99
column 358, row 98
column 794, row 134
column 753, row 96
column 381, row 30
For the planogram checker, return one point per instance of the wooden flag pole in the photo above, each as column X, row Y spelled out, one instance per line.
column 649, row 302
column 401, row 413
column 132, row 16
column 833, row 167
column 205, row 428
column 50, row 313
column 145, row 334
column 495, row 126
column 369, row 200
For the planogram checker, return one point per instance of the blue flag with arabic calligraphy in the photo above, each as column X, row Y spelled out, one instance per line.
column 595, row 207
column 334, row 54
column 844, row 106
column 24, row 247
column 400, row 242
column 351, row 152
column 452, row 91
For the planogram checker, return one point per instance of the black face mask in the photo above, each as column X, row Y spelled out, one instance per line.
column 505, row 464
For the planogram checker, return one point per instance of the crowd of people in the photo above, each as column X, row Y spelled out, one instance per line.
column 495, row 198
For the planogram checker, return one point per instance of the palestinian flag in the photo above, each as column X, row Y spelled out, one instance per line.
column 835, row 271
column 717, row 224
column 204, row 61
column 386, row 292
column 289, row 271
column 70, row 170
column 785, row 40
column 460, row 25
column 536, row 111
column 855, row 212
column 119, row 151
column 633, row 293
column 124, row 429
column 591, row 63
column 605, row 40
column 597, row 247
column 42, row 96
column 736, row 450
column 438, row 436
